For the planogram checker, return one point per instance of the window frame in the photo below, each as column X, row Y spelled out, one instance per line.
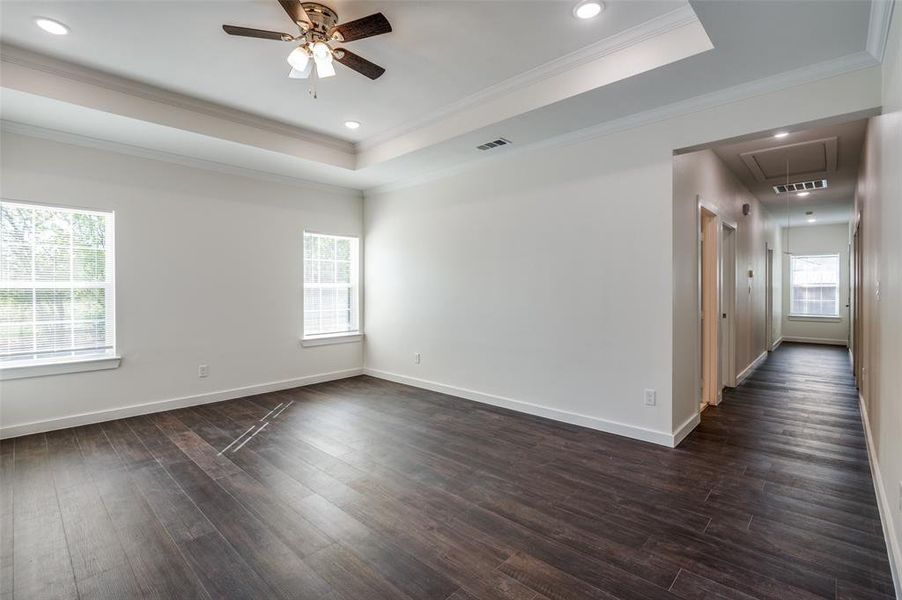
column 75, row 361
column 836, row 316
column 341, row 337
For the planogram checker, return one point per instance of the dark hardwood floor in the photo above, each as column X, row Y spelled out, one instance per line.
column 367, row 489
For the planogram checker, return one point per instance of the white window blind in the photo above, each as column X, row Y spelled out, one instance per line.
column 330, row 284
column 56, row 283
column 814, row 285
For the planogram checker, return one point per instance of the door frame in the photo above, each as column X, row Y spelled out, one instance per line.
column 769, row 296
column 856, row 299
column 728, row 279
column 710, row 225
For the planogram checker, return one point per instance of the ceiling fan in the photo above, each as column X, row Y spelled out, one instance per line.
column 319, row 28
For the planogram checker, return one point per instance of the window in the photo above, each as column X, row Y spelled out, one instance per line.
column 331, row 276
column 814, row 286
column 56, row 284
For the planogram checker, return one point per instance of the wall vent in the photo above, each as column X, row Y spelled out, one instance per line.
column 493, row 144
column 801, row 186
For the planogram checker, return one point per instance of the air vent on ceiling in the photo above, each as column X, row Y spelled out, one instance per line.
column 493, row 144
column 801, row 186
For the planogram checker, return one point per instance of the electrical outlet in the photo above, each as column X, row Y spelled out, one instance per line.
column 416, row 358
column 651, row 397
column 203, row 370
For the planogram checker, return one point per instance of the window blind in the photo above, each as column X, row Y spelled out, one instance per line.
column 330, row 284
column 814, row 285
column 56, row 282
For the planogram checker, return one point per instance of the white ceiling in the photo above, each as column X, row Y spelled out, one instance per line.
column 459, row 73
column 810, row 157
column 438, row 52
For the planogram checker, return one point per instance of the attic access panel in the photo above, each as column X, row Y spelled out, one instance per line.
column 814, row 159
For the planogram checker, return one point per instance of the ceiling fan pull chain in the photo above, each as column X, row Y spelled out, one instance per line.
column 312, row 89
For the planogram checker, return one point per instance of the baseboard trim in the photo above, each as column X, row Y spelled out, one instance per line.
column 686, row 428
column 631, row 431
column 171, row 404
column 810, row 340
column 748, row 370
column 776, row 344
column 883, row 504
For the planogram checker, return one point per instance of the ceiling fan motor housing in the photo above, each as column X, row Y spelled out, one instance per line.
column 323, row 20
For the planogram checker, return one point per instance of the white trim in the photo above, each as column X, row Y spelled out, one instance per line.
column 171, row 404
column 748, row 370
column 332, row 338
column 61, row 68
column 811, row 340
column 28, row 369
column 776, row 344
column 729, row 288
column 883, row 504
column 878, row 27
column 815, row 318
column 686, row 428
column 184, row 160
column 631, row 431
column 654, row 27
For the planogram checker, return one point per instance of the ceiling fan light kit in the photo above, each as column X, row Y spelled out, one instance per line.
column 318, row 28
column 299, row 59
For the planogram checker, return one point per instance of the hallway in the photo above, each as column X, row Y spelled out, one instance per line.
column 796, row 492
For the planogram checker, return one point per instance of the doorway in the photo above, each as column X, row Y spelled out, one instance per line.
column 708, row 305
column 855, row 297
column 769, row 298
column 717, row 304
column 727, row 268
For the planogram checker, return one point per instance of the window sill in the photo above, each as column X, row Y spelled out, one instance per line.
column 814, row 318
column 335, row 338
column 41, row 368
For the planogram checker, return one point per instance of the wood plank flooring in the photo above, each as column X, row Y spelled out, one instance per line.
column 372, row 490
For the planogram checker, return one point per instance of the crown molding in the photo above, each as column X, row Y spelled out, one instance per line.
column 173, row 158
column 660, row 25
column 758, row 87
column 123, row 85
column 878, row 27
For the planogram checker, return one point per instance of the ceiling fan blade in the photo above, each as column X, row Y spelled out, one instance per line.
column 358, row 63
column 296, row 11
column 257, row 33
column 366, row 27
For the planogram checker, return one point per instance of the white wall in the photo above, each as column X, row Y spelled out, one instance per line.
column 208, row 269
column 878, row 202
column 703, row 174
column 550, row 280
column 817, row 239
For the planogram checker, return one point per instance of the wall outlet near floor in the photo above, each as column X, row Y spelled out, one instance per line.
column 651, row 397
column 416, row 358
column 203, row 370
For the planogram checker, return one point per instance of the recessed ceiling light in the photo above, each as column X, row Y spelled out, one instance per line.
column 352, row 124
column 51, row 26
column 781, row 134
column 812, row 220
column 802, row 194
column 587, row 10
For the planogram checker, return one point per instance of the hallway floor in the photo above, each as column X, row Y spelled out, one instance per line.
column 367, row 489
column 800, row 500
